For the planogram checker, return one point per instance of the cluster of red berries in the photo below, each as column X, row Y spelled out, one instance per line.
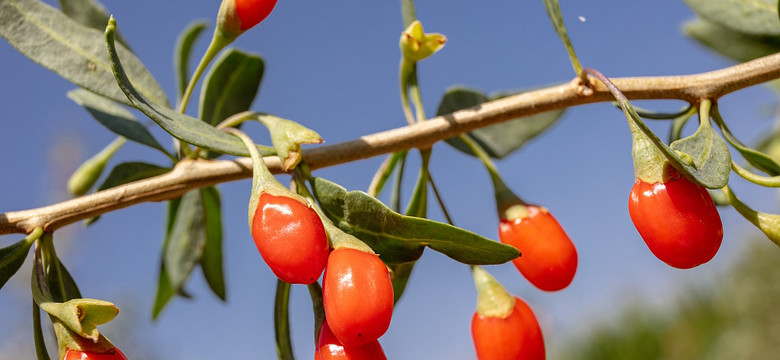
column 356, row 289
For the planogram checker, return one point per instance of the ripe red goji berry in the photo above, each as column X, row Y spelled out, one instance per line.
column 677, row 219
column 330, row 348
column 513, row 337
column 357, row 295
column 72, row 354
column 252, row 12
column 548, row 257
column 291, row 238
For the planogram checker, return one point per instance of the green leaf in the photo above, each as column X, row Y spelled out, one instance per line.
column 165, row 291
column 12, row 258
column 68, row 284
column 187, row 239
column 709, row 153
column 60, row 44
column 183, row 52
column 398, row 238
column 181, row 126
column 90, row 13
column 554, row 12
column 760, row 160
column 284, row 348
column 128, row 172
column 401, row 274
column 40, row 343
column 115, row 118
column 731, row 44
column 757, row 17
column 230, row 86
column 501, row 139
column 211, row 261
column 82, row 316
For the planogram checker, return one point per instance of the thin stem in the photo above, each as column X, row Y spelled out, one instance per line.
column 211, row 52
column 417, row 97
column 440, row 200
column 407, row 71
column 260, row 172
column 282, row 321
column 499, row 186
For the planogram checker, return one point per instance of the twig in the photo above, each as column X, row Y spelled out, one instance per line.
column 191, row 174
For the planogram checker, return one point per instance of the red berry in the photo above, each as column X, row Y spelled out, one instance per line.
column 81, row 355
column 677, row 220
column 514, row 337
column 252, row 12
column 330, row 348
column 549, row 259
column 291, row 239
column 357, row 295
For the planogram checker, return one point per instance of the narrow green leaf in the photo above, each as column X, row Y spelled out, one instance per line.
column 757, row 17
column 398, row 238
column 183, row 51
column 187, row 239
column 181, row 126
column 40, row 343
column 12, row 258
column 282, row 321
column 68, row 284
column 60, row 44
column 418, row 203
column 315, row 292
column 90, row 13
column 165, row 291
column 211, row 261
column 501, row 139
column 735, row 45
column 554, row 12
column 401, row 274
column 760, row 160
column 230, row 86
column 115, row 118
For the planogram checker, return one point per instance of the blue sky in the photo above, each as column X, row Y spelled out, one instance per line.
column 333, row 67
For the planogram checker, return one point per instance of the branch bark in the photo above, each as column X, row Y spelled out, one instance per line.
column 192, row 174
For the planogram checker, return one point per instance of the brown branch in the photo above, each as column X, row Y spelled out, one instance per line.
column 188, row 175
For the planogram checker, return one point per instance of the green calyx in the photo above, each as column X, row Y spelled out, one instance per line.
column 416, row 45
column 228, row 21
column 287, row 137
column 650, row 164
column 67, row 339
column 492, row 299
column 262, row 179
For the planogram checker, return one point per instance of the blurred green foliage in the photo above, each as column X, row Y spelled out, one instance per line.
column 738, row 317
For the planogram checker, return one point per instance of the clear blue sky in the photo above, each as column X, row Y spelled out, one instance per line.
column 333, row 67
